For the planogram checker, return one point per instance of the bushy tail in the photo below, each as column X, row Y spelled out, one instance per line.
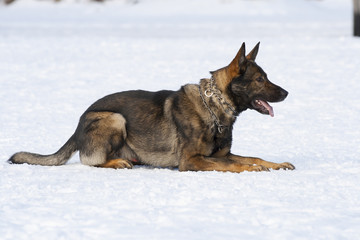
column 58, row 158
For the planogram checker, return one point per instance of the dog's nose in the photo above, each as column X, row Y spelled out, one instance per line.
column 284, row 93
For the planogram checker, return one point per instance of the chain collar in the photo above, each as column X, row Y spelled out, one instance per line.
column 211, row 91
column 220, row 127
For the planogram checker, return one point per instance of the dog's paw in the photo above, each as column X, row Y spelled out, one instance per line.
column 124, row 164
column 285, row 166
column 117, row 164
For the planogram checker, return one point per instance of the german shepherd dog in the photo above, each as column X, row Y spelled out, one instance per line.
column 189, row 129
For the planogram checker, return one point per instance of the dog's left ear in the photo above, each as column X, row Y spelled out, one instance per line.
column 253, row 53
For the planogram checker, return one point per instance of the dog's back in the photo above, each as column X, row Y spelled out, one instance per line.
column 140, row 118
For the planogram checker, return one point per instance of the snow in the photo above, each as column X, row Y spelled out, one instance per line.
column 56, row 59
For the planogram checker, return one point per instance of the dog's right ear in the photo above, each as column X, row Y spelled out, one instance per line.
column 241, row 54
column 239, row 59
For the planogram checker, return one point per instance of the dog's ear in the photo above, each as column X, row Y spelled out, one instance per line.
column 237, row 66
column 253, row 53
column 241, row 54
column 239, row 59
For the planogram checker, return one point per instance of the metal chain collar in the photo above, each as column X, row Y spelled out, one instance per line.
column 213, row 91
column 220, row 127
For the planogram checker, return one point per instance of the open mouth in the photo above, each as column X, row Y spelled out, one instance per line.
column 263, row 107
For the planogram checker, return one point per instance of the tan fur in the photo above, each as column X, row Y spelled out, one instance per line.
column 116, row 163
column 258, row 161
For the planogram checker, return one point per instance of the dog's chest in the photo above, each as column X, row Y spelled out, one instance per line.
column 222, row 140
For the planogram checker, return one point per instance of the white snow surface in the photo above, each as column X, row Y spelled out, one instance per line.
column 56, row 59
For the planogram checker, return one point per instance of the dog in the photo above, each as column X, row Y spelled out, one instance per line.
column 189, row 129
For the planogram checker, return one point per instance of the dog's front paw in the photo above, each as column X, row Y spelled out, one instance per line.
column 285, row 166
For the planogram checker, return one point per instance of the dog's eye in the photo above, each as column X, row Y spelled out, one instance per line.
column 260, row 79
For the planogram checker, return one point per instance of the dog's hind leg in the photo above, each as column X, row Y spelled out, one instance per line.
column 260, row 162
column 101, row 136
column 116, row 163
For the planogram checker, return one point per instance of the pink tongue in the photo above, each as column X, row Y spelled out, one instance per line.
column 268, row 107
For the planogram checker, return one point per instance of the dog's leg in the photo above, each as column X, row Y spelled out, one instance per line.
column 201, row 163
column 100, row 138
column 258, row 161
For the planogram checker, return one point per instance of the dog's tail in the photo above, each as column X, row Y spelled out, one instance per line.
column 58, row 158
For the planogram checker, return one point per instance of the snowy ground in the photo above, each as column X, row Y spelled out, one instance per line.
column 56, row 59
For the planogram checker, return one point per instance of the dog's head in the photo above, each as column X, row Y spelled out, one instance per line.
column 247, row 84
